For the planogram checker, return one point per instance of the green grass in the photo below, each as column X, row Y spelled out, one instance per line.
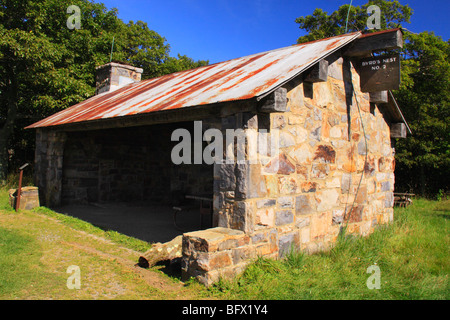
column 36, row 247
column 73, row 222
column 16, row 260
column 412, row 254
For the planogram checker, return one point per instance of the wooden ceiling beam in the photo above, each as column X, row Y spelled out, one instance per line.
column 376, row 41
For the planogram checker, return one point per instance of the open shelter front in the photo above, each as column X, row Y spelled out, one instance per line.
column 124, row 179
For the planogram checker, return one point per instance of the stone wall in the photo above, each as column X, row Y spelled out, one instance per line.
column 334, row 169
column 324, row 177
column 49, row 165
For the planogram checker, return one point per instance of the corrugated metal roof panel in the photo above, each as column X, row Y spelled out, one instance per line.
column 238, row 79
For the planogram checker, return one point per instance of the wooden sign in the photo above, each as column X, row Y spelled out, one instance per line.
column 379, row 73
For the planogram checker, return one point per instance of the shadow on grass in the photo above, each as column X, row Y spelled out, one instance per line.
column 172, row 268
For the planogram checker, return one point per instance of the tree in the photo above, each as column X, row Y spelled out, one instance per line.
column 422, row 159
column 321, row 25
column 182, row 62
column 46, row 67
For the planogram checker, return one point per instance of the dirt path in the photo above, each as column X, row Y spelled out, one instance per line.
column 152, row 278
column 108, row 270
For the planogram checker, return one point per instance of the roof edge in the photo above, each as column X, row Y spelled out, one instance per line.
column 357, row 35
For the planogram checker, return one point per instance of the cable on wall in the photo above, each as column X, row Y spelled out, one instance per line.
column 365, row 159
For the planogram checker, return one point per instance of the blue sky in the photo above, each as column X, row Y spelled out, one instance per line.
column 219, row 30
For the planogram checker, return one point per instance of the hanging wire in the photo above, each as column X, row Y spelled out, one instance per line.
column 345, row 218
column 348, row 13
column 112, row 47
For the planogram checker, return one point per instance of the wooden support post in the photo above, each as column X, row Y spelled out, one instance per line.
column 318, row 72
column 398, row 130
column 274, row 102
column 19, row 190
column 379, row 97
column 376, row 41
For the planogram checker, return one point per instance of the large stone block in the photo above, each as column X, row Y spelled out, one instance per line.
column 355, row 214
column 243, row 255
column 227, row 176
column 274, row 102
column 320, row 224
column 326, row 199
column 285, row 202
column 287, row 243
column 304, row 204
column 263, row 203
column 286, row 139
column 287, row 185
column 346, row 182
column 214, row 261
column 301, row 154
column 29, row 198
column 283, row 217
column 280, row 165
column 325, row 154
column 386, row 186
column 302, row 222
column 249, row 181
column 208, row 240
column 265, row 217
column 242, row 217
column 389, row 200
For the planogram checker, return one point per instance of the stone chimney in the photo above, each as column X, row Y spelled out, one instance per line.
column 113, row 75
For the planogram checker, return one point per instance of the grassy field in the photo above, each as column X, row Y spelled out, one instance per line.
column 37, row 247
column 413, row 256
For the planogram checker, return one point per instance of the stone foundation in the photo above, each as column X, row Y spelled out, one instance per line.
column 214, row 253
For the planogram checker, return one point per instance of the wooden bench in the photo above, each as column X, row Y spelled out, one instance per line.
column 403, row 199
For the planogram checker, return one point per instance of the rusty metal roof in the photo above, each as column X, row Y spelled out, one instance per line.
column 252, row 76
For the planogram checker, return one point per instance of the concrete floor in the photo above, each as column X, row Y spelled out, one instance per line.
column 148, row 222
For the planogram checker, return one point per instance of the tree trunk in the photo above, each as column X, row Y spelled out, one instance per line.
column 7, row 130
column 161, row 251
column 422, row 180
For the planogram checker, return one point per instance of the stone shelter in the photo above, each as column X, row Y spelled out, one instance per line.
column 333, row 164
